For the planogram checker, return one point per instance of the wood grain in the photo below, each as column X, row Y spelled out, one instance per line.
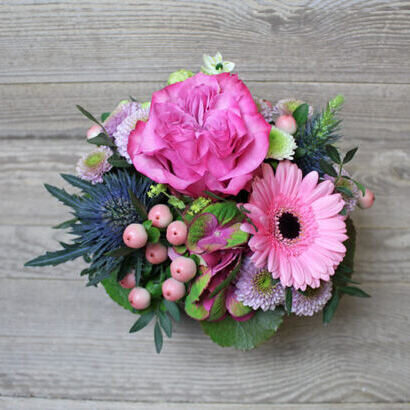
column 48, row 110
column 84, row 352
column 94, row 40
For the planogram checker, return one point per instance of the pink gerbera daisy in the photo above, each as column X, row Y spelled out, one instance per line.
column 300, row 233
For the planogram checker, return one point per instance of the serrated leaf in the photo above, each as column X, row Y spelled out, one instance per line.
column 333, row 154
column 327, row 168
column 173, row 309
column 353, row 291
column 346, row 191
column 138, row 205
column 165, row 323
column 99, row 277
column 66, row 224
column 247, row 334
column 330, row 308
column 288, row 300
column 101, row 139
column 78, row 182
column 58, row 257
column 142, row 321
column 349, row 155
column 158, row 338
column 62, row 195
column 301, row 114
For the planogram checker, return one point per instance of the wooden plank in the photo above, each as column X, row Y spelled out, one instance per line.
column 49, row 41
column 71, row 342
column 390, row 263
column 18, row 403
column 27, row 164
column 373, row 112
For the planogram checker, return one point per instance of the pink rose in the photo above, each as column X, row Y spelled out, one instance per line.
column 203, row 134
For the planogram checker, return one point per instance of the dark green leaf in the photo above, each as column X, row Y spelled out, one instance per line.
column 139, row 206
column 104, row 116
column 66, row 224
column 158, row 338
column 62, row 195
column 346, row 191
column 123, row 251
column 102, row 139
column 116, row 292
column 138, row 271
column 300, row 152
column 147, row 224
column 331, row 307
column 88, row 115
column 301, row 114
column 142, row 321
column 343, row 211
column 225, row 283
column 327, row 168
column 212, row 195
column 77, row 182
column 349, row 155
column 360, row 186
column 354, row 291
column 333, row 153
column 118, row 163
column 57, row 257
column 343, row 278
column 288, row 300
column 173, row 309
column 165, row 323
column 99, row 277
column 153, row 234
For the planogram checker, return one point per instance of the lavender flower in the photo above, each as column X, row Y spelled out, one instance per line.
column 265, row 108
column 93, row 165
column 124, row 109
column 256, row 287
column 312, row 301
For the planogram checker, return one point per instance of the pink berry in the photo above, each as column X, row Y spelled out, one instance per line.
column 135, row 236
column 160, row 215
column 177, row 232
column 366, row 200
column 173, row 290
column 93, row 131
column 286, row 123
column 183, row 269
column 156, row 253
column 128, row 281
column 139, row 298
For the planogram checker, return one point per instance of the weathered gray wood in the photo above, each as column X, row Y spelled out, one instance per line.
column 26, row 165
column 48, row 41
column 373, row 112
column 71, row 342
column 17, row 403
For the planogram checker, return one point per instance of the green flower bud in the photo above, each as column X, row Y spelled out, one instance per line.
column 179, row 76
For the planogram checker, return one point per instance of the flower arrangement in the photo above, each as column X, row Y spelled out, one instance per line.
column 214, row 202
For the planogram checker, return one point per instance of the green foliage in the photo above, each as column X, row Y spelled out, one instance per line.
column 116, row 292
column 55, row 258
column 244, row 335
column 301, row 114
column 101, row 139
column 158, row 337
column 192, row 307
column 62, row 195
column 142, row 321
column 173, row 309
column 231, row 276
column 288, row 300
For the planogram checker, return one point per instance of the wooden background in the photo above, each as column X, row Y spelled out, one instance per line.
column 66, row 346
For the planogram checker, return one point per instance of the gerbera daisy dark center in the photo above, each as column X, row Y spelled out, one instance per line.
column 289, row 225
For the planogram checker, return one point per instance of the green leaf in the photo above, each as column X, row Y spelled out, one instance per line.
column 196, row 230
column 78, row 182
column 139, row 206
column 173, row 309
column 327, row 168
column 301, row 114
column 192, row 307
column 244, row 335
column 165, row 323
column 122, row 251
column 342, row 278
column 119, row 163
column 66, row 224
column 104, row 116
column 333, row 153
column 158, row 338
column 102, row 139
column 346, row 191
column 349, row 155
column 353, row 291
column 62, row 195
column 153, row 234
column 138, row 271
column 331, row 307
column 142, row 321
column 147, row 224
column 231, row 276
column 360, row 186
column 88, row 115
column 57, row 257
column 212, row 195
column 288, row 300
column 225, row 212
column 237, row 238
column 116, row 292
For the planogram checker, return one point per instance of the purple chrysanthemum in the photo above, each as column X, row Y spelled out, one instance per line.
column 127, row 125
column 256, row 287
column 350, row 201
column 92, row 166
column 312, row 301
column 123, row 110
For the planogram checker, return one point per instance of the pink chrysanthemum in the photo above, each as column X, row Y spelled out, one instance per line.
column 257, row 289
column 300, row 233
column 92, row 166
column 123, row 110
column 312, row 302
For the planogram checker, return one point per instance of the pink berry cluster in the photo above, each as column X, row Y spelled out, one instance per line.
column 182, row 269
